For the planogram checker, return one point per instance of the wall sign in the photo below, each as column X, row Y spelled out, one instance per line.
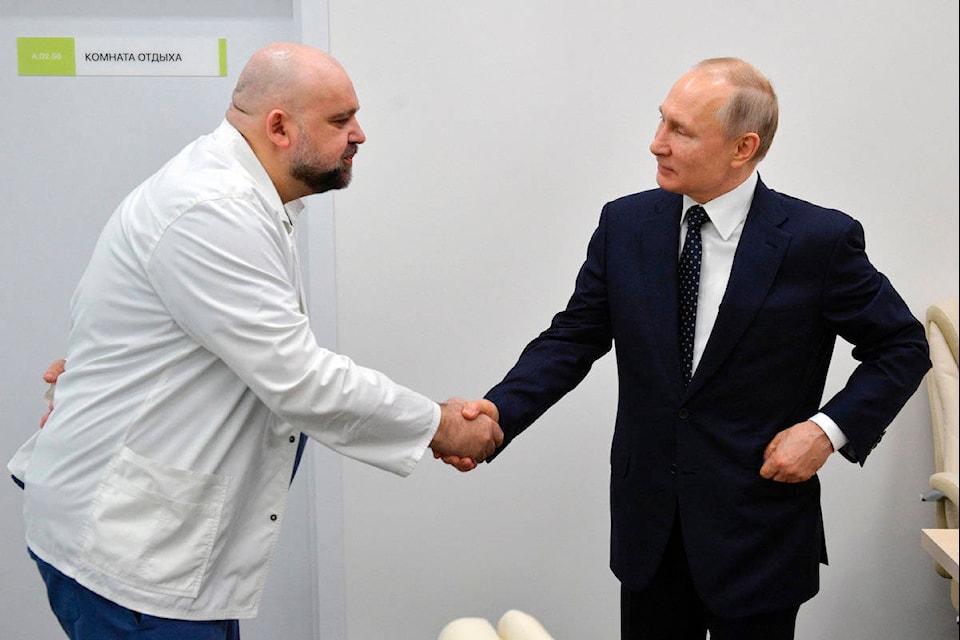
column 45, row 56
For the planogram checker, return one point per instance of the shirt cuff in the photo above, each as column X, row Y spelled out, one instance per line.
column 836, row 435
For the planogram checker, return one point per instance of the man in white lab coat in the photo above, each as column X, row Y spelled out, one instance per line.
column 154, row 494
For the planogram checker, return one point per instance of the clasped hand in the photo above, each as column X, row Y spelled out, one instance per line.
column 468, row 433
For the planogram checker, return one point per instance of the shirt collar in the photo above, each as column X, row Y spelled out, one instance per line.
column 241, row 150
column 293, row 209
column 727, row 212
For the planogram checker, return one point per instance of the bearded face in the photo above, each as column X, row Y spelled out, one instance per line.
column 317, row 172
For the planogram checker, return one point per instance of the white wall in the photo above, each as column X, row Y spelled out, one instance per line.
column 496, row 130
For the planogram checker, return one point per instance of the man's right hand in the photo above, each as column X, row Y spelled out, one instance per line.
column 471, row 411
column 462, row 442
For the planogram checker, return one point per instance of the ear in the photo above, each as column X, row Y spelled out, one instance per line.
column 746, row 149
column 280, row 128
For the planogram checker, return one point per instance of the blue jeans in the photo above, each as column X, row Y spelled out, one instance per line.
column 85, row 615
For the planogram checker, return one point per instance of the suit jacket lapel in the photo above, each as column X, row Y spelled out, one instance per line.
column 659, row 240
column 759, row 254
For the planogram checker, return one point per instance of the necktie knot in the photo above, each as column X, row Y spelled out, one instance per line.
column 696, row 216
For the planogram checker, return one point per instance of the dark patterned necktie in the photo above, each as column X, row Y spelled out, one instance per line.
column 689, row 272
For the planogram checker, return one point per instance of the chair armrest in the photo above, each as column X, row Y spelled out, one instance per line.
column 469, row 629
column 517, row 625
column 946, row 483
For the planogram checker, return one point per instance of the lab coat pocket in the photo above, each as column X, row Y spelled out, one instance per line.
column 153, row 526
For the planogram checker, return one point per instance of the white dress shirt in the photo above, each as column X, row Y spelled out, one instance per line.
column 720, row 236
column 160, row 480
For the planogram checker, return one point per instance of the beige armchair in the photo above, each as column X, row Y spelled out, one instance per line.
column 514, row 625
column 942, row 386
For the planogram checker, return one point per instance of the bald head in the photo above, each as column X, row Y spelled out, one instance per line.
column 286, row 76
column 296, row 107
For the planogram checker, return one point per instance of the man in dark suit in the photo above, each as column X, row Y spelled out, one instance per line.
column 715, row 502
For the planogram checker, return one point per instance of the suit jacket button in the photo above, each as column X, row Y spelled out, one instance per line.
column 683, row 413
column 674, row 469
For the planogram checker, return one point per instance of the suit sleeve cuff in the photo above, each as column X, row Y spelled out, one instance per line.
column 836, row 435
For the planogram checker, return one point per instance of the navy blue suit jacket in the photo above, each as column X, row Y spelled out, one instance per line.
column 800, row 278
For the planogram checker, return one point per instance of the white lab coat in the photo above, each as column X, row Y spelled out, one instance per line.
column 160, row 480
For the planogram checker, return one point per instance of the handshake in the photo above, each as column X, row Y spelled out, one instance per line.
column 468, row 433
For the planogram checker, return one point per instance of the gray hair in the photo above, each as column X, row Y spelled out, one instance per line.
column 753, row 105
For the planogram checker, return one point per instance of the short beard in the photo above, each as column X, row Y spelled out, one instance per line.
column 318, row 180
